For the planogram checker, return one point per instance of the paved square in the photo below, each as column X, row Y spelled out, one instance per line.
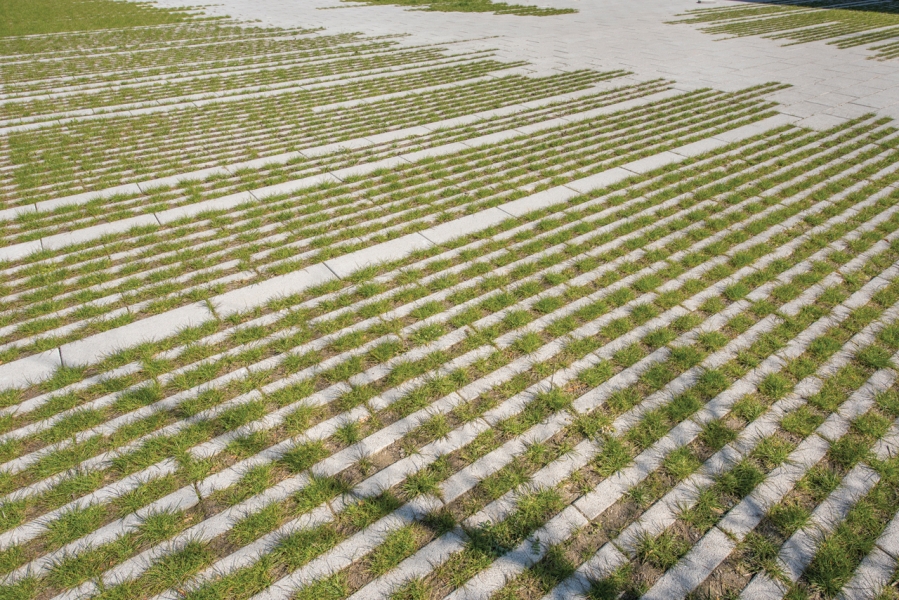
column 449, row 299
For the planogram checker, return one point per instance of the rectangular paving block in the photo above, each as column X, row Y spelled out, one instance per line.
column 289, row 187
column 345, row 265
column 561, row 527
column 873, row 574
column 651, row 163
column 94, row 348
column 821, row 122
column 25, row 127
column 799, row 550
column 486, row 582
column 18, row 251
column 543, row 125
column 398, row 134
column 625, row 105
column 606, row 560
column 223, row 203
column 85, row 197
column 174, row 180
column 889, row 539
column 595, row 502
column 753, row 129
column 833, row 428
column 11, row 214
column 258, row 163
column 492, row 138
column 562, row 97
column 694, row 568
column 31, row 369
column 765, row 587
column 258, row 294
column 366, row 168
column 453, row 122
column 61, row 240
column 574, row 587
column 599, row 180
column 435, row 152
column 445, row 232
column 418, row 565
column 550, row 197
column 336, row 147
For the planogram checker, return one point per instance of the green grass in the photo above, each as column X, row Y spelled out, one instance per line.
column 38, row 159
column 662, row 551
column 551, row 402
column 497, row 8
column 31, row 17
column 809, row 21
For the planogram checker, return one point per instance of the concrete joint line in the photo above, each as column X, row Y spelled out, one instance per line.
column 211, row 308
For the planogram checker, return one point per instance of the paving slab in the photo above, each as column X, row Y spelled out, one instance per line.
column 259, row 294
column 191, row 210
column 128, row 189
column 397, row 249
column 600, row 180
column 80, row 236
column 538, row 201
column 446, row 232
column 10, row 214
column 693, row 568
column 174, row 180
column 289, row 187
column 822, row 122
column 94, row 348
column 870, row 578
column 753, row 129
column 700, row 147
column 828, row 84
column 656, row 161
column 19, row 251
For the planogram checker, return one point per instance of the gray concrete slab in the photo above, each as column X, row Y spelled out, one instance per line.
column 445, row 232
column 87, row 234
column 600, row 180
column 256, row 295
column 397, row 249
column 94, row 348
column 32, row 369
column 191, row 210
column 540, row 200
column 18, row 251
column 84, row 198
